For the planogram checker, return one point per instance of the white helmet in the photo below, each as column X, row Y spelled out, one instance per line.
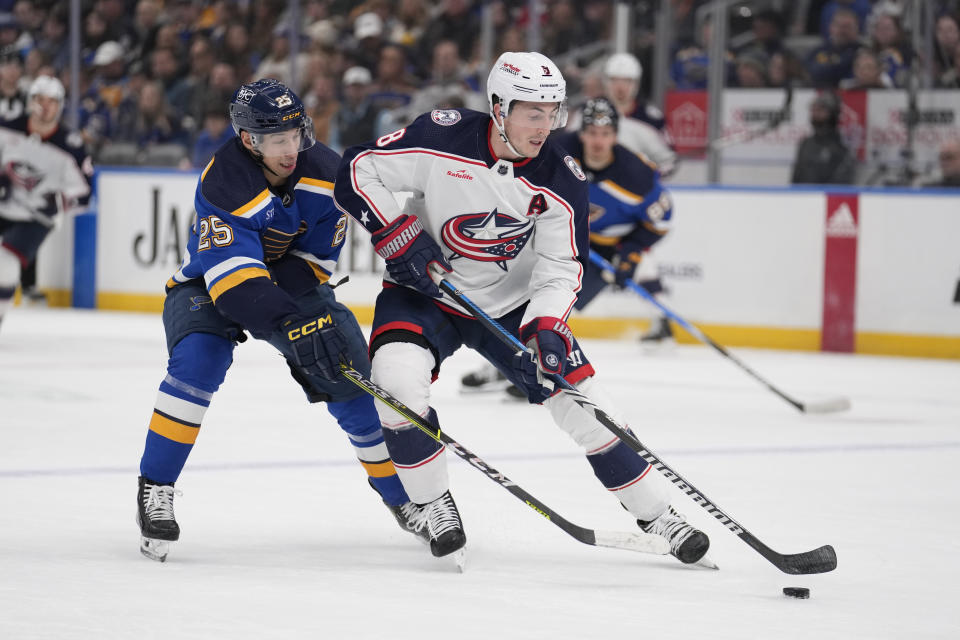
column 47, row 86
column 526, row 76
column 623, row 65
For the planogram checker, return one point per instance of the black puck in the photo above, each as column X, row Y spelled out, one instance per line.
column 797, row 592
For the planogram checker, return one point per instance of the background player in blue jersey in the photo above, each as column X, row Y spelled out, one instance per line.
column 630, row 211
column 502, row 211
column 264, row 242
column 44, row 171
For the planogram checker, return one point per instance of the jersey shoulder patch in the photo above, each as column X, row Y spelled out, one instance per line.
column 574, row 168
column 445, row 117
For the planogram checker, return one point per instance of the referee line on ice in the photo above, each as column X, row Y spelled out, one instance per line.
column 310, row 464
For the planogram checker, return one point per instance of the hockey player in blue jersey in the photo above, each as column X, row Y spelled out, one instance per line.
column 502, row 211
column 44, row 172
column 264, row 242
column 630, row 210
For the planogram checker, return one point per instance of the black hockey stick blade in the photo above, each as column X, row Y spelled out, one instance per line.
column 816, row 561
column 627, row 540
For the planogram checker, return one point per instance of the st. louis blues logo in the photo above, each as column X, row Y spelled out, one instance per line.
column 487, row 237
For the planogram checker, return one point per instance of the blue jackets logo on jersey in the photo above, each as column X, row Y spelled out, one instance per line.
column 487, row 237
column 445, row 117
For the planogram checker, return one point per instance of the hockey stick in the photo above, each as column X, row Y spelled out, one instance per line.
column 818, row 560
column 829, row 405
column 630, row 541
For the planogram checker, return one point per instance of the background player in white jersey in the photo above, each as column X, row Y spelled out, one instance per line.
column 630, row 211
column 642, row 128
column 44, row 171
column 502, row 211
column 265, row 240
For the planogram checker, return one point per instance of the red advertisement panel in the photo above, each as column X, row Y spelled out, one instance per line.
column 840, row 273
column 686, row 113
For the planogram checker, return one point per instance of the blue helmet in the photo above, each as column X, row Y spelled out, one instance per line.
column 268, row 106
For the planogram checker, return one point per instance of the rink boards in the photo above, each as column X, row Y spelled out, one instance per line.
column 868, row 271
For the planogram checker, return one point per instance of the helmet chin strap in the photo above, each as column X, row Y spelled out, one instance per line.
column 503, row 135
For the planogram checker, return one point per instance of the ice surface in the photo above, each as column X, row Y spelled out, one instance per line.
column 283, row 539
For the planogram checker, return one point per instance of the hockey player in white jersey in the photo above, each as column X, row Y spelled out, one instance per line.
column 44, row 171
column 502, row 212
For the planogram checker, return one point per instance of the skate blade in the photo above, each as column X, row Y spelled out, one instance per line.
column 460, row 559
column 155, row 549
column 706, row 562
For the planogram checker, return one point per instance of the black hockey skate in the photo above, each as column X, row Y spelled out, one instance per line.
column 409, row 515
column 443, row 526
column 158, row 526
column 660, row 332
column 687, row 544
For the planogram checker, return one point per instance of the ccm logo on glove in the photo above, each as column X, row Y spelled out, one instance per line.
column 309, row 327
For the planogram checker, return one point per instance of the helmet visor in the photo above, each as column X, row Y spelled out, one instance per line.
column 551, row 115
column 284, row 143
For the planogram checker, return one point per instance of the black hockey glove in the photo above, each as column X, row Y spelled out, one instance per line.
column 625, row 262
column 550, row 341
column 314, row 345
column 410, row 252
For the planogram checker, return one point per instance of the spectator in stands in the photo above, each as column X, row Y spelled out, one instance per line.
column 13, row 97
column 868, row 73
column 785, row 68
column 392, row 89
column 859, row 8
column 833, row 61
column 565, row 30
column 356, row 119
column 146, row 23
column 119, row 22
column 322, row 105
column 457, row 23
column 236, row 48
column 109, row 73
column 447, row 84
column 190, row 95
column 946, row 39
column 94, row 34
column 277, row 63
column 165, row 69
column 949, row 158
column 887, row 39
column 368, row 40
column 767, row 27
column 223, row 81
column 690, row 63
column 53, row 40
column 409, row 22
column 823, row 157
column 152, row 123
column 215, row 133
column 751, row 70
column 950, row 79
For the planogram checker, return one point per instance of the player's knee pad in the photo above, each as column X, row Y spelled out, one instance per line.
column 403, row 369
column 201, row 360
column 9, row 269
column 580, row 425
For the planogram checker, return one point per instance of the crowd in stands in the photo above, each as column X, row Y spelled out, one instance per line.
column 158, row 74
